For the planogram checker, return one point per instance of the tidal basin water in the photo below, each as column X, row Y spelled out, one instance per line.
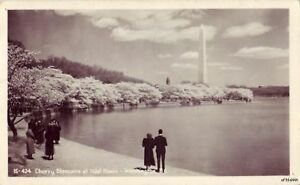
column 227, row 139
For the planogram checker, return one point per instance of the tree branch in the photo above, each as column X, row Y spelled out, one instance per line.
column 21, row 119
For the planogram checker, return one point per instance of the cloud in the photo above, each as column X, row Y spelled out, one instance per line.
column 106, row 22
column 192, row 14
column 224, row 66
column 157, row 35
column 190, row 55
column 137, row 19
column 126, row 35
column 231, row 68
column 192, row 33
column 217, row 64
column 159, row 26
column 163, row 56
column 262, row 52
column 136, row 15
column 250, row 29
column 127, row 15
column 154, row 22
column 184, row 66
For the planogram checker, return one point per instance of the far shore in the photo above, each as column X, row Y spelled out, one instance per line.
column 119, row 107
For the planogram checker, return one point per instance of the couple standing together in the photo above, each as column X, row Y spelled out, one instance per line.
column 160, row 142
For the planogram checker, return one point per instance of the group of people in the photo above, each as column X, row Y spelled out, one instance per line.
column 160, row 143
column 37, row 132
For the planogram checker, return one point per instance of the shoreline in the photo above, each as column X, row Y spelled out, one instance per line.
column 68, row 161
column 119, row 107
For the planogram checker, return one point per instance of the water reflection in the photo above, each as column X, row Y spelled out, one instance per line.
column 229, row 139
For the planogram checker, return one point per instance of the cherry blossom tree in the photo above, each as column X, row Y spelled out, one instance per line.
column 129, row 92
column 31, row 87
column 20, row 80
column 52, row 86
column 149, row 94
column 242, row 94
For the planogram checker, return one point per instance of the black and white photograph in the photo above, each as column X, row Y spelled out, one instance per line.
column 148, row 92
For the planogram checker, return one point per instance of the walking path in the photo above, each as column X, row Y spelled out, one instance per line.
column 74, row 159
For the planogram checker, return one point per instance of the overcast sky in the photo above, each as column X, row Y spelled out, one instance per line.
column 244, row 47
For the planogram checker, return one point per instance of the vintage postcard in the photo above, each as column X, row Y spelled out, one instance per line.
column 98, row 91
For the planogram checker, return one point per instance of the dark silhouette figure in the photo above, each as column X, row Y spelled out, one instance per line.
column 168, row 81
column 148, row 144
column 40, row 129
column 49, row 135
column 57, row 129
column 29, row 143
column 160, row 142
column 32, row 124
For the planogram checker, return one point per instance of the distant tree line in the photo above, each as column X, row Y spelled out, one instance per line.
column 271, row 91
column 78, row 70
column 267, row 91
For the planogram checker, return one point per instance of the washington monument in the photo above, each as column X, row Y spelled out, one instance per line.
column 202, row 56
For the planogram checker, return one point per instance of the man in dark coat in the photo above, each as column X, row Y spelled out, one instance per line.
column 160, row 143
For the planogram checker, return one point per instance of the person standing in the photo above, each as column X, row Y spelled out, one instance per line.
column 30, row 143
column 32, row 125
column 40, row 132
column 148, row 144
column 49, row 146
column 57, row 129
column 160, row 144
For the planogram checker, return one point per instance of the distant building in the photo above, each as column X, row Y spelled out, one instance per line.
column 168, row 81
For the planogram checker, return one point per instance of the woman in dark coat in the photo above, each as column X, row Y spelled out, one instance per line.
column 148, row 144
column 57, row 129
column 49, row 146
column 29, row 143
column 31, row 123
column 33, row 126
column 40, row 132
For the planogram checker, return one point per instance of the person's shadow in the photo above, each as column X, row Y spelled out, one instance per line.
column 45, row 158
column 143, row 169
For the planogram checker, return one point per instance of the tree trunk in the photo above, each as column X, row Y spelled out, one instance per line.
column 13, row 129
column 11, row 124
